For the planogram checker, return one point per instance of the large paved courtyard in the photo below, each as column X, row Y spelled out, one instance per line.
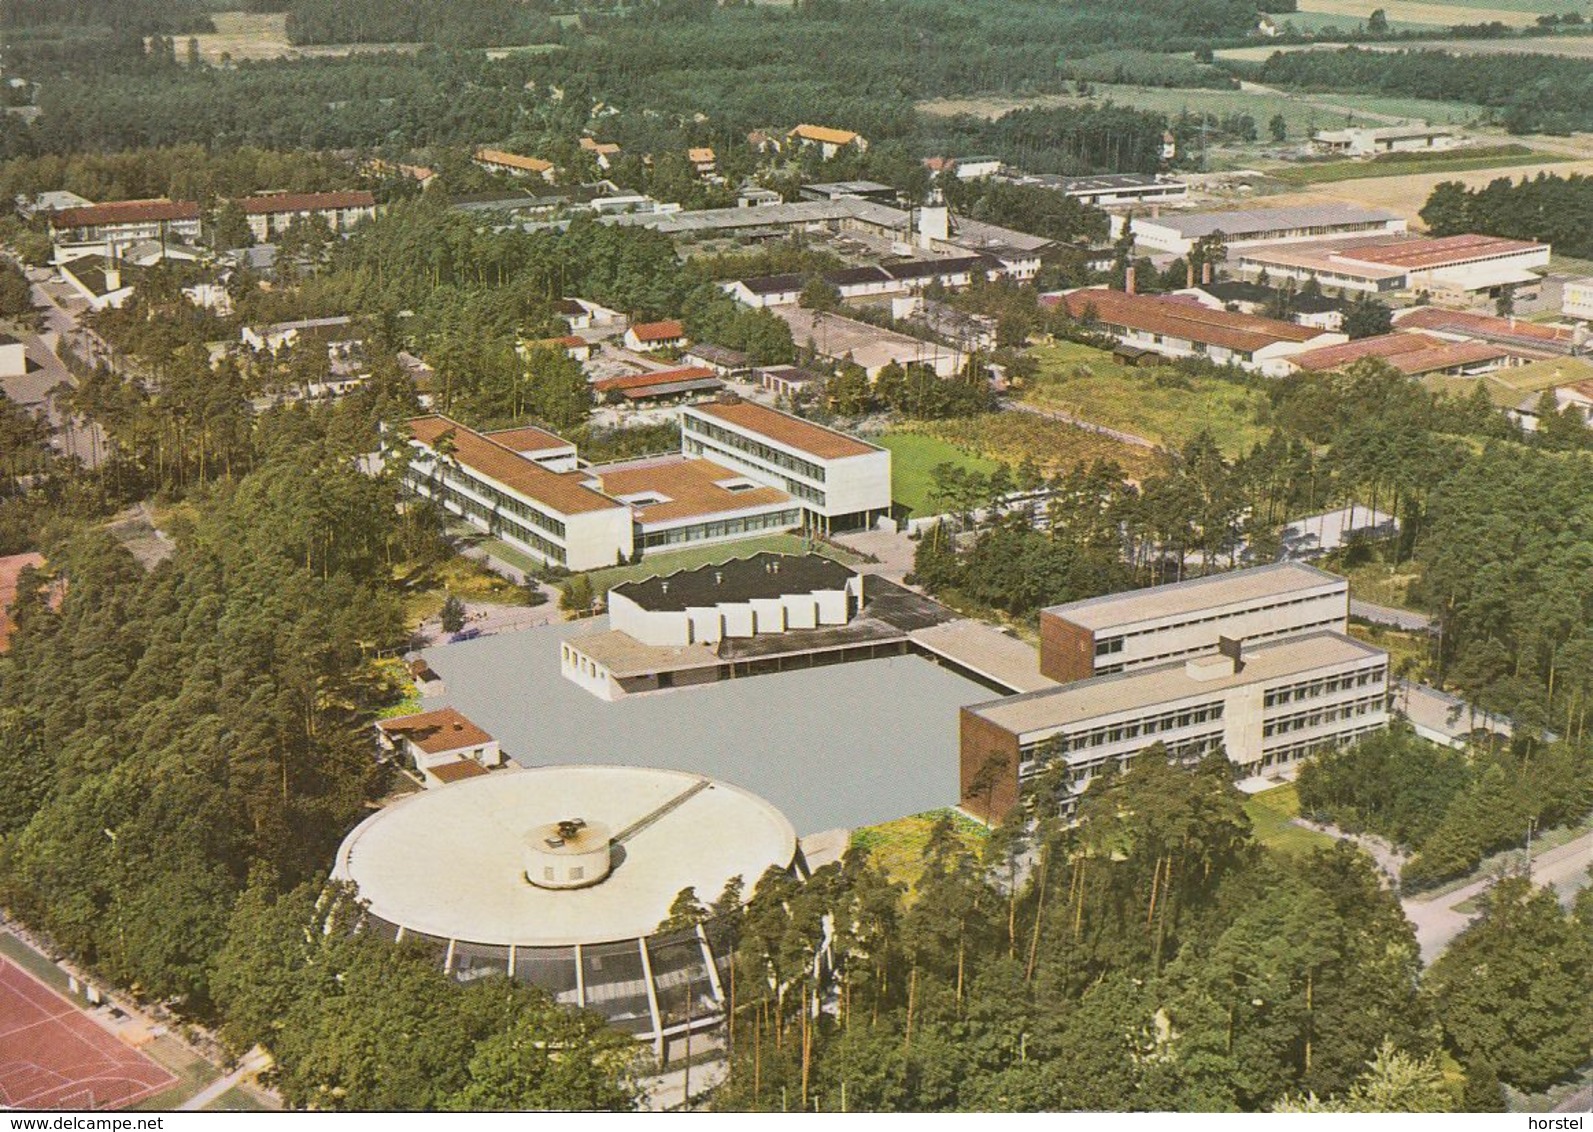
column 841, row 746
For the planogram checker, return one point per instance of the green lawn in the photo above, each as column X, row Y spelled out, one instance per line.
column 1270, row 812
column 914, row 456
column 655, row 564
column 1331, row 171
column 898, row 846
column 1158, row 403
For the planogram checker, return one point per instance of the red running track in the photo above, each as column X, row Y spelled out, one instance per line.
column 52, row 1055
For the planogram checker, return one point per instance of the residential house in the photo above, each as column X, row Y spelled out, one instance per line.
column 514, row 164
column 648, row 336
column 444, row 746
column 830, row 141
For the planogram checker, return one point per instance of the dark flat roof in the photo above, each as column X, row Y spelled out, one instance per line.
column 741, row 579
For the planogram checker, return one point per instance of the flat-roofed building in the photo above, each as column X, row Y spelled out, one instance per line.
column 556, row 517
column 1106, row 189
column 1137, row 629
column 1184, row 328
column 841, row 482
column 1365, row 141
column 1241, row 227
column 1266, row 707
column 678, row 501
column 271, row 214
column 13, row 357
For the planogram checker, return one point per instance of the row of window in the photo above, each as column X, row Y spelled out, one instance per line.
column 764, row 452
column 1127, row 730
column 1325, row 686
column 789, row 485
column 1300, row 748
column 1210, row 617
column 1305, row 720
column 496, row 523
column 1187, row 750
column 721, row 528
column 1178, row 654
column 504, row 501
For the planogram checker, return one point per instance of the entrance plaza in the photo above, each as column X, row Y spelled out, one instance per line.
column 836, row 746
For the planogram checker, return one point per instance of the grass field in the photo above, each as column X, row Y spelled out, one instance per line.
column 1270, row 812
column 1086, row 383
column 1333, row 171
column 1573, row 46
column 655, row 564
column 1301, row 114
column 913, row 456
column 463, row 577
column 1053, row 445
column 898, row 846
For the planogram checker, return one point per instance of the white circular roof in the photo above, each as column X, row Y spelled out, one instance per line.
column 449, row 861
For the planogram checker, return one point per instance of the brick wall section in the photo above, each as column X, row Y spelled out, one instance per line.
column 1067, row 651
column 982, row 742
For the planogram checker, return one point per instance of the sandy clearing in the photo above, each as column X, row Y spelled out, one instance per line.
column 252, row 35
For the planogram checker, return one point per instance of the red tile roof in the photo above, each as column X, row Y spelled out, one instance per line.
column 446, row 729
column 457, row 771
column 125, row 212
column 306, row 202
column 1421, row 254
column 658, row 331
column 657, row 377
column 513, row 160
column 1482, row 326
column 1411, row 354
column 1153, row 314
column 782, row 428
column 528, row 438
column 495, row 461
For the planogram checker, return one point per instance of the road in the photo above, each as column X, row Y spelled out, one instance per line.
column 1389, row 615
column 1438, row 923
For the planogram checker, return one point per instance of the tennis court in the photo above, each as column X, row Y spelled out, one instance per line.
column 53, row 1056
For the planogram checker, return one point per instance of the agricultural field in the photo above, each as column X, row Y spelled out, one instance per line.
column 1405, row 195
column 1572, row 46
column 1441, row 13
column 263, row 35
column 1160, row 404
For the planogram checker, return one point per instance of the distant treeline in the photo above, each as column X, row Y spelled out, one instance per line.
column 1533, row 93
column 479, row 23
column 1549, row 207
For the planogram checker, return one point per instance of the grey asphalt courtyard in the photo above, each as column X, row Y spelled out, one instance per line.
column 841, row 746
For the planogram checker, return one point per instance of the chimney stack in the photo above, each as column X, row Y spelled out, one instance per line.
column 1205, row 274
column 1128, row 280
column 1189, row 273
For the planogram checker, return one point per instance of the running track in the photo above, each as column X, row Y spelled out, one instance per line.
column 52, row 1055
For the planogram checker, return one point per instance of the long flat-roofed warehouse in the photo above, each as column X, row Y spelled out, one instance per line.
column 1177, row 233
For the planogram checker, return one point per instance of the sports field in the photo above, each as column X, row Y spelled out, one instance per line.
column 53, row 1056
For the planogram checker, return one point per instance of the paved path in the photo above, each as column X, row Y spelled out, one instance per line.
column 1390, row 615
column 1087, row 426
column 253, row 1061
column 1438, row 923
